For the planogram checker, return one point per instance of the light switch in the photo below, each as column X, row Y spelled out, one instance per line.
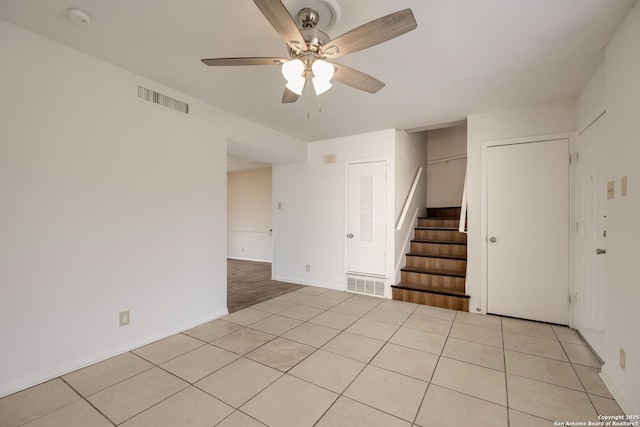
column 623, row 186
column 279, row 205
column 611, row 190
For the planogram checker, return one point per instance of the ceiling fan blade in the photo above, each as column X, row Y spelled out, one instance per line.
column 245, row 61
column 278, row 16
column 370, row 34
column 356, row 79
column 289, row 97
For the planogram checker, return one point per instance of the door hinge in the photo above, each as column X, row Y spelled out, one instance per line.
column 577, row 157
column 573, row 298
column 569, row 158
column 577, row 227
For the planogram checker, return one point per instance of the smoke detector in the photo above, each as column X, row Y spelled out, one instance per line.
column 78, row 16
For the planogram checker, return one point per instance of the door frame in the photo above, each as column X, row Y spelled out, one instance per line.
column 484, row 186
column 389, row 220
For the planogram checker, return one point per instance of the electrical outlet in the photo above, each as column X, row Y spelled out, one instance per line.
column 279, row 205
column 611, row 190
column 623, row 359
column 125, row 318
column 308, row 268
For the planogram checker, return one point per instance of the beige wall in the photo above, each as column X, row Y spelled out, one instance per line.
column 249, row 215
column 109, row 203
column 411, row 154
column 445, row 181
column 309, row 229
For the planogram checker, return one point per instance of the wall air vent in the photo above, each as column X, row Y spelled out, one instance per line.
column 162, row 100
column 367, row 286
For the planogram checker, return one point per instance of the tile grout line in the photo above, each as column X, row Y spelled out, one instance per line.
column 87, row 400
column 506, row 382
column 341, row 394
column 316, row 349
column 286, row 372
column 576, row 372
column 424, row 396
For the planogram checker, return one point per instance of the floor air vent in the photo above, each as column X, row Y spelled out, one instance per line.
column 365, row 286
column 162, row 100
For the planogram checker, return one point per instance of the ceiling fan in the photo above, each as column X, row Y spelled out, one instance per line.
column 310, row 48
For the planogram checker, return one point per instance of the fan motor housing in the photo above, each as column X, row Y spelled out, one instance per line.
column 314, row 38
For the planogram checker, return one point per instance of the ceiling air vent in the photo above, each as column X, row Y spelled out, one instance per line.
column 163, row 100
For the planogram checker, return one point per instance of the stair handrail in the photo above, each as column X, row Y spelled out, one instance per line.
column 409, row 199
column 462, row 226
column 447, row 159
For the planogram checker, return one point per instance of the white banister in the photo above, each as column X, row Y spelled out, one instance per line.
column 448, row 159
column 409, row 199
column 463, row 209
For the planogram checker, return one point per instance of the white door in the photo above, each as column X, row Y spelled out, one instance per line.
column 528, row 231
column 366, row 218
column 588, row 225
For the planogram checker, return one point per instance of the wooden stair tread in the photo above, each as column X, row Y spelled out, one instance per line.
column 430, row 289
column 440, row 217
column 428, row 255
column 434, row 271
column 440, row 242
column 437, row 228
column 433, row 276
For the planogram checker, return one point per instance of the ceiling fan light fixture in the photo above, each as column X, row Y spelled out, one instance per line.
column 293, row 70
column 320, row 85
column 322, row 70
column 296, row 85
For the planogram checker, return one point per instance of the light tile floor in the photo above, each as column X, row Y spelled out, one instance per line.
column 325, row 358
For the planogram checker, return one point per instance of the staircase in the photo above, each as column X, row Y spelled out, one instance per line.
column 436, row 267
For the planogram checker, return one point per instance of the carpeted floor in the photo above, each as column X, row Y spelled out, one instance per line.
column 249, row 283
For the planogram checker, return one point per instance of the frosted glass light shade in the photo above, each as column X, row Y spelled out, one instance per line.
column 323, row 70
column 321, row 86
column 296, row 85
column 292, row 70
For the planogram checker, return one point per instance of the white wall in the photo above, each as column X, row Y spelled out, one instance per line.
column 445, row 181
column 622, row 142
column 591, row 101
column 410, row 154
column 249, row 215
column 107, row 203
column 310, row 226
column 545, row 119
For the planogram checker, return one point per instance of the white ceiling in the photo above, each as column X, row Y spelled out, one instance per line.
column 466, row 56
column 239, row 164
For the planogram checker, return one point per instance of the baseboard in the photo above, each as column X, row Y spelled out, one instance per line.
column 250, row 259
column 622, row 401
column 308, row 283
column 57, row 371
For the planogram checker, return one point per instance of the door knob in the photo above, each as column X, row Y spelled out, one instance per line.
column 350, row 235
column 493, row 239
column 601, row 251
